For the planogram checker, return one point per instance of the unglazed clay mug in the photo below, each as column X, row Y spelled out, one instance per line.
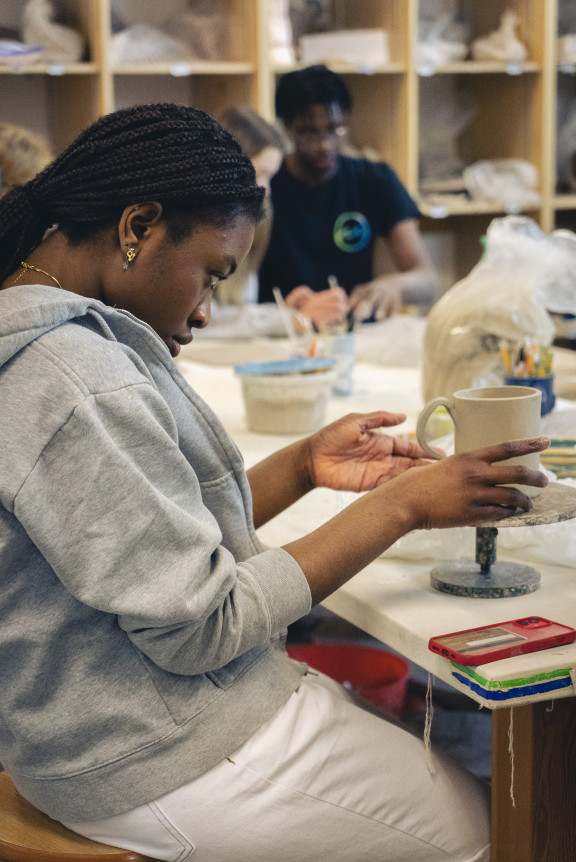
column 494, row 414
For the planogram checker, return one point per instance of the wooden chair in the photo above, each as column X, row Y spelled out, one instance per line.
column 28, row 835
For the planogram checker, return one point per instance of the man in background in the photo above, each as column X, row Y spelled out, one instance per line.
column 328, row 211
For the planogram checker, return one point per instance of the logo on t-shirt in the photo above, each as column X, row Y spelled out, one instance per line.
column 352, row 232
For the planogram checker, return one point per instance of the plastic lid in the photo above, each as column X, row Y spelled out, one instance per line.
column 298, row 365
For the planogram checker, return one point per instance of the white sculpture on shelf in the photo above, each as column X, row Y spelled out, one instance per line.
column 503, row 44
column 61, row 44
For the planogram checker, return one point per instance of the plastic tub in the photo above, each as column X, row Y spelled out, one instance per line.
column 378, row 676
column 280, row 402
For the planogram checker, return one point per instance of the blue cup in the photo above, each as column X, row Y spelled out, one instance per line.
column 544, row 384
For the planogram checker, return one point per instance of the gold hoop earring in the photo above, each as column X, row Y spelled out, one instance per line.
column 130, row 255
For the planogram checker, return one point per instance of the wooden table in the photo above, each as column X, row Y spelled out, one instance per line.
column 391, row 599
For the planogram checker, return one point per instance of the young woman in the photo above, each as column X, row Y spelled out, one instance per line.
column 146, row 699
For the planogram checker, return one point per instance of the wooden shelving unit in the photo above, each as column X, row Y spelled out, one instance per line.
column 515, row 104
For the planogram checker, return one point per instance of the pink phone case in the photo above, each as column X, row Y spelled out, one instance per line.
column 501, row 640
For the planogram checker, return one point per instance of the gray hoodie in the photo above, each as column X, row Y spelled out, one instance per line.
column 141, row 621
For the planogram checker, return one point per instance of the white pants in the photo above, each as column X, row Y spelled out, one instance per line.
column 322, row 781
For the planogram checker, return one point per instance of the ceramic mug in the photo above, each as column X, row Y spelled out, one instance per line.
column 488, row 415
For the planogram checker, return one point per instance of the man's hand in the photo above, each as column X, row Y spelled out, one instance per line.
column 323, row 308
column 381, row 297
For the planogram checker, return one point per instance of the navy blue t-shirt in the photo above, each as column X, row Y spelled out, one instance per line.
column 331, row 229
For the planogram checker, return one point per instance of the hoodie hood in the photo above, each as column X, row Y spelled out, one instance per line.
column 30, row 310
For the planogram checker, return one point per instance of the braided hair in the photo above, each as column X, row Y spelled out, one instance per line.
column 173, row 154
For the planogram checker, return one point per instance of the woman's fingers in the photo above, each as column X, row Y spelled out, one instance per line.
column 513, row 449
column 378, row 419
column 473, row 487
column 503, row 497
column 500, row 473
column 519, row 475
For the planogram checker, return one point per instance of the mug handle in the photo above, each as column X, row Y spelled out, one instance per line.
column 423, row 418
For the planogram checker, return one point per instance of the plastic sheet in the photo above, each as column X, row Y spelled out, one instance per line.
column 549, row 543
column 552, row 544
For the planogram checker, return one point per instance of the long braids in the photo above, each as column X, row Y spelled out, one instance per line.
column 170, row 153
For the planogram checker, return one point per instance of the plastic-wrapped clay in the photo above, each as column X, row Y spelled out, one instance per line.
column 522, row 276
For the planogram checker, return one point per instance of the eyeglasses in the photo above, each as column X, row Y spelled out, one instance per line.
column 308, row 138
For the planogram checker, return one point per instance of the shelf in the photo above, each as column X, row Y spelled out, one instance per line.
column 564, row 202
column 439, row 209
column 184, row 68
column 514, row 104
column 347, row 69
column 475, row 67
column 52, row 69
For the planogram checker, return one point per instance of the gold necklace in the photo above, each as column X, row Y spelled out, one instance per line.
column 27, row 266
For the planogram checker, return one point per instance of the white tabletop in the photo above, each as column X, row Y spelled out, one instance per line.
column 392, row 598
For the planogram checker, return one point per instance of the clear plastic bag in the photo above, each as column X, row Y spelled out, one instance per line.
column 143, row 44
column 442, row 40
column 523, row 273
column 512, row 182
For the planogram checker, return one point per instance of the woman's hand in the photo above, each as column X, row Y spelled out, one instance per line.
column 464, row 489
column 351, row 454
column 472, row 487
column 348, row 455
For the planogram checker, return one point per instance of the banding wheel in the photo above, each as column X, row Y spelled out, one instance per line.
column 487, row 578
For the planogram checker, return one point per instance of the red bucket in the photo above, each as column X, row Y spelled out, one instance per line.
column 375, row 674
